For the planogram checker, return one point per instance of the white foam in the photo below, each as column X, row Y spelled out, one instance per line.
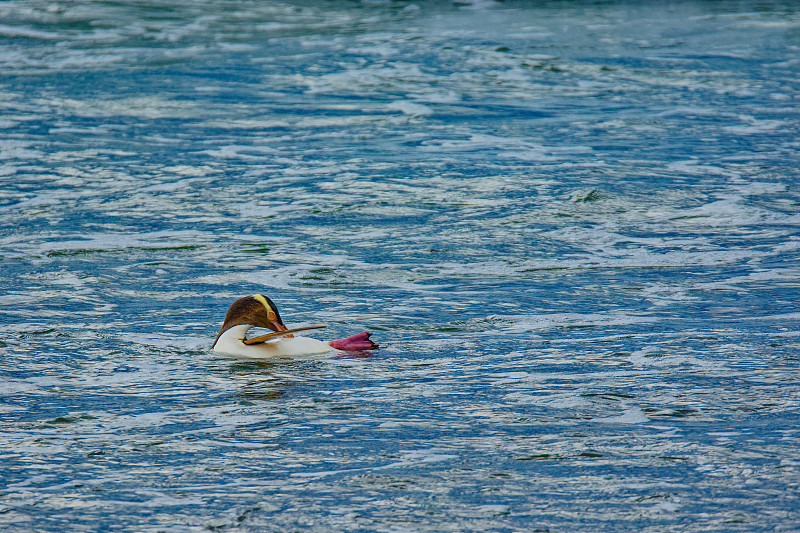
column 514, row 147
column 753, row 126
column 15, row 149
column 408, row 458
column 529, row 323
column 410, row 108
column 150, row 107
column 633, row 415
column 435, row 96
column 17, row 31
column 164, row 340
column 493, row 509
column 247, row 123
column 694, row 166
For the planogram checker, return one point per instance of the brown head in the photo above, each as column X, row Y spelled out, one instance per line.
column 256, row 310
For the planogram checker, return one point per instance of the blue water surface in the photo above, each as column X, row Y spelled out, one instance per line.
column 572, row 226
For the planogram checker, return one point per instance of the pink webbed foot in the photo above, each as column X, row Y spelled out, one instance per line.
column 354, row 343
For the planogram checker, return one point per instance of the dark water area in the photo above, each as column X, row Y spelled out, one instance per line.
column 572, row 226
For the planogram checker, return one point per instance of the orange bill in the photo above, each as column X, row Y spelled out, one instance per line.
column 270, row 336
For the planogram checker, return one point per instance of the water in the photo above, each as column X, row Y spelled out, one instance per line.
column 572, row 226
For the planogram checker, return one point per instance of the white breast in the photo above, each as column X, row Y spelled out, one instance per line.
column 230, row 343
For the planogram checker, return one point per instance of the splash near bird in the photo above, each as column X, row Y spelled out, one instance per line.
column 260, row 311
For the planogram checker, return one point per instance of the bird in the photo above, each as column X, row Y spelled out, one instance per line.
column 259, row 311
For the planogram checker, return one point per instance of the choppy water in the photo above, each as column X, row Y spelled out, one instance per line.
column 572, row 226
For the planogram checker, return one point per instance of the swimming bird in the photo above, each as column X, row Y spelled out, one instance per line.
column 259, row 311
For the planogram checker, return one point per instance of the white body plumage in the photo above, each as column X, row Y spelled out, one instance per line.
column 231, row 343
